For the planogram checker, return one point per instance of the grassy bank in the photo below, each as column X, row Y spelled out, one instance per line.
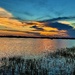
column 61, row 62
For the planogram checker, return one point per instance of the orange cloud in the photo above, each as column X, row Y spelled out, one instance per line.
column 60, row 33
column 50, row 29
column 17, row 28
column 14, row 33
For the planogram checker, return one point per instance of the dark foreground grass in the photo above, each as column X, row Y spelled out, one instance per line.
column 61, row 62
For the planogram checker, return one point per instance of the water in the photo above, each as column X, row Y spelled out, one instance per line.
column 31, row 47
column 51, row 64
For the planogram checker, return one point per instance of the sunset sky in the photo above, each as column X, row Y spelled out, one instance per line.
column 38, row 18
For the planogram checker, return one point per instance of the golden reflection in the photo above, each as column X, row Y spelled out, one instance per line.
column 15, row 47
column 30, row 47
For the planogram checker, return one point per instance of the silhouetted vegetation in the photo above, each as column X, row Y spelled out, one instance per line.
column 40, row 37
column 61, row 62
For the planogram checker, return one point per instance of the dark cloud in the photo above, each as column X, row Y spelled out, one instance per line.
column 36, row 27
column 60, row 26
column 58, row 19
column 70, row 30
column 53, row 23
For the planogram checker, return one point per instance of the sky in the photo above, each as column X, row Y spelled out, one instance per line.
column 52, row 18
column 39, row 9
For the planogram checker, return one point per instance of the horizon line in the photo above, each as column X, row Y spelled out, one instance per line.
column 37, row 37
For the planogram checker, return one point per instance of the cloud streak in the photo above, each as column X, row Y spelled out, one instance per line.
column 58, row 19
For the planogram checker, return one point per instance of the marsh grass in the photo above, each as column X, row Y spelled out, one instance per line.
column 61, row 62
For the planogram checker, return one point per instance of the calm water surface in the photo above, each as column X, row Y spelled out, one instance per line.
column 31, row 47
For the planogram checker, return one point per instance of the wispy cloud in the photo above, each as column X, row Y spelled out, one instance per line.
column 5, row 13
column 59, row 18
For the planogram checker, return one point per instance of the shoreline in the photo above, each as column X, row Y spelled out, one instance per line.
column 37, row 37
